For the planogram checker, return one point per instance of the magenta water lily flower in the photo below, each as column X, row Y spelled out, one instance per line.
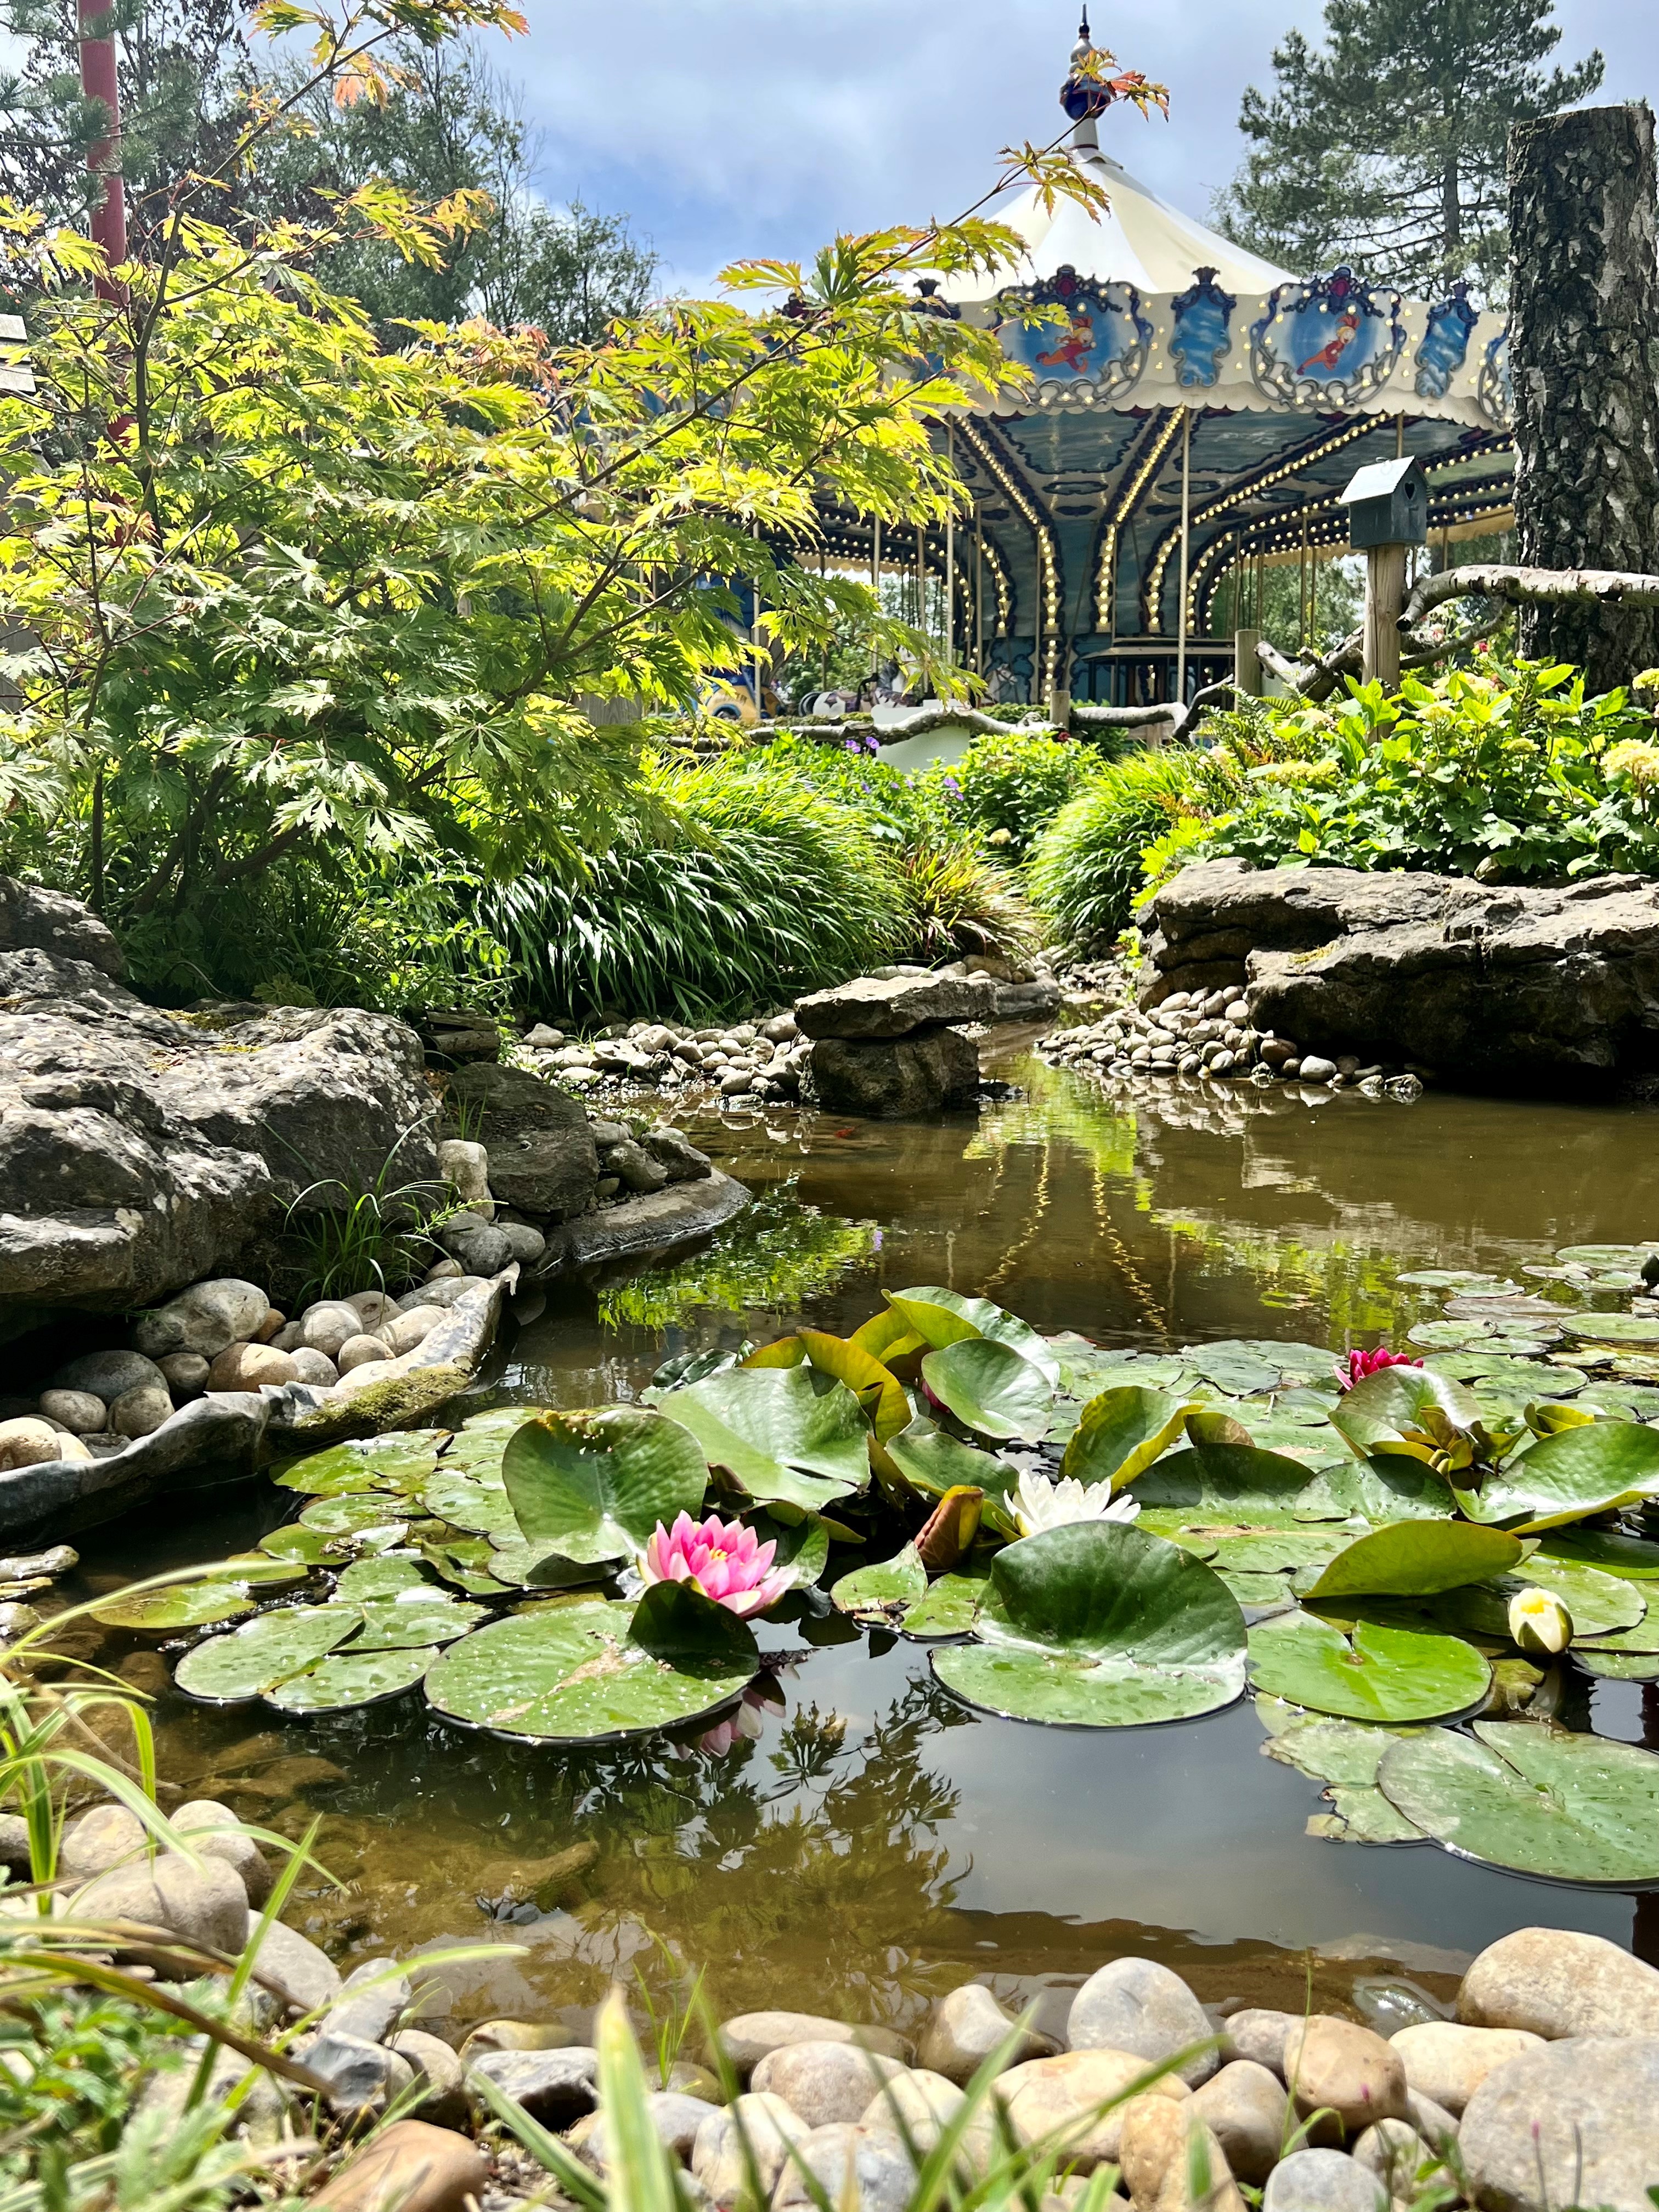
column 1359, row 1364
column 720, row 1558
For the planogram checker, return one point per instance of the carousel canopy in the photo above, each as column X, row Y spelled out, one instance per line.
column 1192, row 412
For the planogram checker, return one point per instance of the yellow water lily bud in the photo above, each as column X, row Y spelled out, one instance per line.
column 1539, row 1622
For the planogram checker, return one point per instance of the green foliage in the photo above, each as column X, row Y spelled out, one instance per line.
column 960, row 902
column 741, row 886
column 1412, row 187
column 1007, row 789
column 1085, row 868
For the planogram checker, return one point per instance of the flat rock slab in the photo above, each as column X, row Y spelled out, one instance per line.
column 873, row 1007
column 1553, row 989
column 650, row 1222
column 542, row 1159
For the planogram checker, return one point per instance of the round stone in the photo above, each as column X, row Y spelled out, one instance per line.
column 1554, row 1981
column 314, row 1367
column 1245, row 2107
column 1576, row 2122
column 325, row 1327
column 1081, row 2091
column 407, row 1329
column 107, row 1375
column 358, row 1351
column 1137, row 2005
column 1448, row 2062
column 245, row 1366
column 1322, row 2181
column 966, row 2028
column 141, row 1412
column 77, row 1411
column 1316, row 1070
column 824, row 2082
column 185, row 1373
column 1338, row 2066
column 855, row 2169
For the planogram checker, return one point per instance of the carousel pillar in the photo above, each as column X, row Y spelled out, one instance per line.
column 1185, row 549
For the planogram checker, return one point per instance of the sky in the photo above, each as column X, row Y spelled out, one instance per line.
column 724, row 128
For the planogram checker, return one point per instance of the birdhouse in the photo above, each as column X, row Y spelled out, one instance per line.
column 1387, row 504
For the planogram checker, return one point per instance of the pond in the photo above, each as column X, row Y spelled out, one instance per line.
column 861, row 1841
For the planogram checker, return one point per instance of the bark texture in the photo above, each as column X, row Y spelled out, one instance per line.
column 1584, row 356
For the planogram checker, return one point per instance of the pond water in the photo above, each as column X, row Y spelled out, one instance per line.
column 863, row 1841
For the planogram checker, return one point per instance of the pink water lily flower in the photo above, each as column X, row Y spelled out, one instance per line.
column 1359, row 1364
column 720, row 1558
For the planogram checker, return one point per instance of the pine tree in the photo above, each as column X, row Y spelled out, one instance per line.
column 1384, row 147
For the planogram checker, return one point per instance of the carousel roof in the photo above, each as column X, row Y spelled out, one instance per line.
column 1139, row 239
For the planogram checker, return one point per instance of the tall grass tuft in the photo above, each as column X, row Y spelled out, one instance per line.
column 740, row 887
column 961, row 902
column 1087, row 864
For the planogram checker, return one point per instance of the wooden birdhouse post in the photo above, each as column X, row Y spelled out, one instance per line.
column 1387, row 504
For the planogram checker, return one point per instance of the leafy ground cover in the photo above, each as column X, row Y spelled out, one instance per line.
column 1082, row 1536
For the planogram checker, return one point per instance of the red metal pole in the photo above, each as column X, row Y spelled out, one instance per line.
column 98, row 81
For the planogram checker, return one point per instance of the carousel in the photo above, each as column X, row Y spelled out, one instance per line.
column 1194, row 414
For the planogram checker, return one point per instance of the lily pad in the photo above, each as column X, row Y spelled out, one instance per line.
column 1534, row 1798
column 229, row 1670
column 348, row 1680
column 308, row 1547
column 594, row 1485
column 802, row 1547
column 1277, row 1551
column 1097, row 1625
column 991, row 1389
column 1617, row 1666
column 349, row 1514
column 1606, row 1255
column 1563, row 1478
column 936, row 1462
column 186, row 1605
column 1121, row 1433
column 400, row 1462
column 383, row 1577
column 1233, row 1483
column 589, row 1672
column 1376, row 1415
column 1253, row 1589
column 943, row 1317
column 787, row 1433
column 1387, row 1488
column 1348, row 1753
column 901, row 1580
column 1633, row 1556
column 483, row 1509
column 1416, row 1558
column 1382, row 1675
column 1236, row 1368
column 404, row 1623
column 533, row 1563
column 1450, row 1279
column 950, row 1606
column 1615, row 1329
column 1362, row 1816
column 1600, row 1604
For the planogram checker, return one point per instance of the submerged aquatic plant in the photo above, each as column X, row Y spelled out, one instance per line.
column 1355, row 1366
column 1039, row 1504
column 722, row 1559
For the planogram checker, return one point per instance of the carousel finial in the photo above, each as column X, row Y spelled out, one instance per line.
column 1083, row 95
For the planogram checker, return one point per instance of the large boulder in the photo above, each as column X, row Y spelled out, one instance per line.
column 139, row 1152
column 898, row 1078
column 47, row 921
column 891, row 1006
column 541, row 1153
column 1545, row 990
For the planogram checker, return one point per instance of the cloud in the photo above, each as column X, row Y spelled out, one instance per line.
column 730, row 127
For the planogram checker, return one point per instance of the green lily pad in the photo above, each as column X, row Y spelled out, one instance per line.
column 185, row 1605
column 1534, row 1798
column 936, row 1462
column 1415, row 1558
column 1121, row 1432
column 533, row 1565
column 1347, row 1752
column 400, row 1462
column 1362, row 1816
column 787, row 1433
column 306, row 1547
column 593, row 1671
column 1633, row 1556
column 1225, row 1483
column 346, row 1680
column 1615, row 1329
column 1085, row 1368
column 404, row 1623
column 499, row 1422
column 382, row 1578
column 1584, row 1470
column 1382, row 1675
column 1238, row 1368
column 595, row 1485
column 950, row 1606
column 1307, row 1407
column 1375, row 1414
column 1617, row 1666
column 482, row 1509
column 1600, row 1604
column 1450, row 1335
column 1387, row 1488
column 263, row 1570
column 463, row 1563
column 229, row 1670
column 1449, row 1278
column 1606, row 1255
column 349, row 1514
column 1277, row 1551
column 991, row 1389
column 942, row 1317
column 1252, row 1587
column 901, row 1580
column 1097, row 1625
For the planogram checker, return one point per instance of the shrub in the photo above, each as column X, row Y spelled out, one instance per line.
column 961, row 902
column 734, row 886
column 1007, row 789
column 1086, row 866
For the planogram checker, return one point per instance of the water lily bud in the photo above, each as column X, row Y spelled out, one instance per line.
column 1539, row 1622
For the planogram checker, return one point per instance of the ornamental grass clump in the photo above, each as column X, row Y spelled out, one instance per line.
column 1087, row 867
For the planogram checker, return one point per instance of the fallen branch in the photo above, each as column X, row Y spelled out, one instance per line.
column 1530, row 587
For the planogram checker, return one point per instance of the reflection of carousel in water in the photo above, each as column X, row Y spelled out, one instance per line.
column 1195, row 414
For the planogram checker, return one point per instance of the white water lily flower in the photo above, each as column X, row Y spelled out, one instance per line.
column 1540, row 1623
column 1040, row 1504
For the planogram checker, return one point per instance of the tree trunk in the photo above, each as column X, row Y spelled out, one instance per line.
column 1584, row 356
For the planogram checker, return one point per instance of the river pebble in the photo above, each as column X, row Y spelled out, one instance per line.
column 1574, row 2123
column 1322, row 2181
column 1338, row 2066
column 1245, row 2104
column 824, row 2082
column 966, row 2026
column 1137, row 2005
column 1448, row 2062
column 1554, row 1981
